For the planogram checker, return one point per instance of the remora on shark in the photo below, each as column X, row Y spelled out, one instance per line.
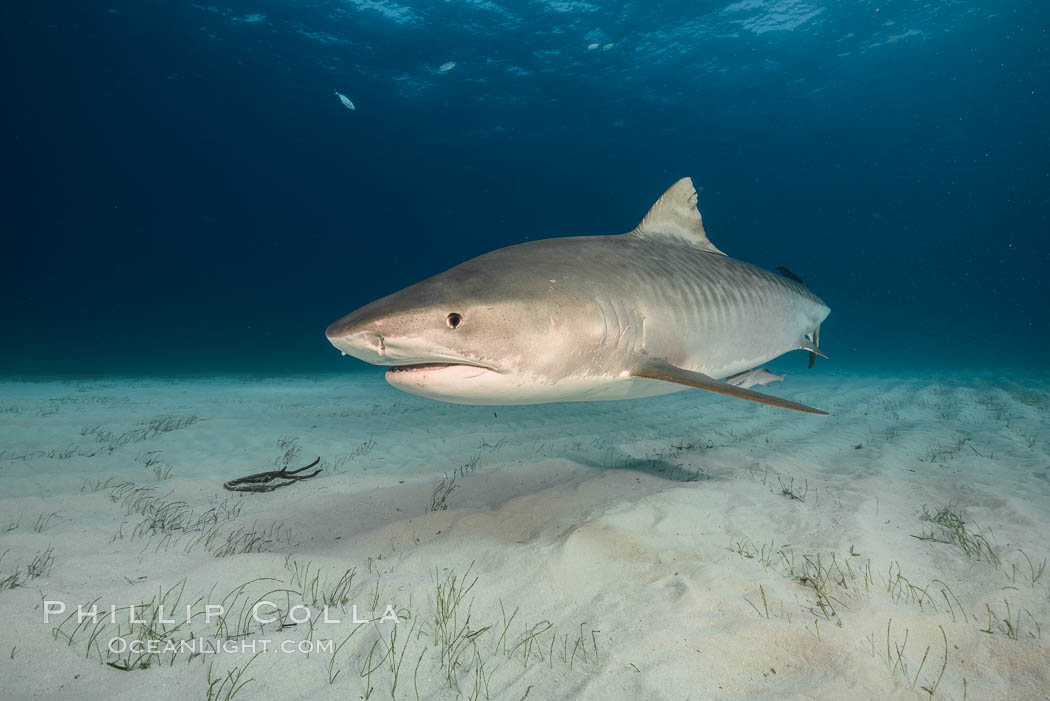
column 653, row 311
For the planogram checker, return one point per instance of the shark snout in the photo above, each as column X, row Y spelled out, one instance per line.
column 359, row 339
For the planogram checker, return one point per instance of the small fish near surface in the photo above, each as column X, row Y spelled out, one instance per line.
column 586, row 318
column 347, row 103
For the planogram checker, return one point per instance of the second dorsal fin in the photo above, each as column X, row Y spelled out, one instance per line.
column 790, row 275
column 675, row 216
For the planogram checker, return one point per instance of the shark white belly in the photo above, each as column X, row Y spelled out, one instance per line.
column 653, row 311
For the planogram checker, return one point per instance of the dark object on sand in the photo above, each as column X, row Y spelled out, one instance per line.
column 259, row 482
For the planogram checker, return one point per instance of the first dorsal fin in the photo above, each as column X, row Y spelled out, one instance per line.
column 675, row 216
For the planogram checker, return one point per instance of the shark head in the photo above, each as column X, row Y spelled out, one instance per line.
column 473, row 334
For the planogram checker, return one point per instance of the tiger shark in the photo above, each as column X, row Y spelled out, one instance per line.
column 656, row 310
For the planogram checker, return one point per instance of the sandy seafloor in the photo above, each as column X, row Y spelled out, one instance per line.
column 680, row 547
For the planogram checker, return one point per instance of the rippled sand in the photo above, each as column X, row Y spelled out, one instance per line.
column 686, row 546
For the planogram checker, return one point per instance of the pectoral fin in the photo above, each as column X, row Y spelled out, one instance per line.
column 657, row 369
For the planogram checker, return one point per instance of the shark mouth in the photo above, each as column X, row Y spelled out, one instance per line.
column 421, row 366
column 424, row 367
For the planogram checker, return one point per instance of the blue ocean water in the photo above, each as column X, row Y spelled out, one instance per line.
column 185, row 193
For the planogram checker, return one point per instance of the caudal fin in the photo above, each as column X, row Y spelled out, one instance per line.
column 816, row 343
column 812, row 341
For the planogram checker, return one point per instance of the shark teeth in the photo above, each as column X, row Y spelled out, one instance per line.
column 421, row 366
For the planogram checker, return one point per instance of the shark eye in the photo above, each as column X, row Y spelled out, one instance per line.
column 453, row 320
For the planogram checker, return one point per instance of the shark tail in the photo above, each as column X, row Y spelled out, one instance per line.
column 812, row 344
column 812, row 340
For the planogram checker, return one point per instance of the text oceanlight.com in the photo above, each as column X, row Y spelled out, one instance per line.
column 204, row 646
